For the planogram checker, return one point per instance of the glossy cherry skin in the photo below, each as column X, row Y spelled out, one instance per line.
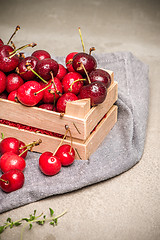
column 49, row 164
column 3, row 82
column 68, row 80
column 101, row 76
column 13, row 96
column 62, row 71
column 7, row 64
column 1, row 42
column 14, row 180
column 96, row 91
column 45, row 66
column 52, row 97
column 66, row 154
column 87, row 60
column 22, row 68
column 41, row 54
column 27, row 93
column 62, row 101
column 69, row 65
column 9, row 144
column 13, row 82
column 47, row 106
column 10, row 160
column 21, row 145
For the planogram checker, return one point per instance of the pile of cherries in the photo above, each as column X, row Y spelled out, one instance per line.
column 38, row 80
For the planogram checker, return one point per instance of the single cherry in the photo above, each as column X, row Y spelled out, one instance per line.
column 13, row 96
column 96, row 91
column 45, row 67
column 71, row 82
column 62, row 101
column 66, row 154
column 3, row 82
column 30, row 93
column 8, row 61
column 49, row 164
column 13, row 82
column 62, row 71
column 41, row 54
column 9, row 144
column 12, row 180
column 101, row 76
column 87, row 60
column 10, row 160
column 69, row 60
column 22, row 69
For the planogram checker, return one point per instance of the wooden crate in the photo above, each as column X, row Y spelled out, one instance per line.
column 88, row 125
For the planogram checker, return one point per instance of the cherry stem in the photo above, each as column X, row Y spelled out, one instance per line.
column 91, row 49
column 1, row 179
column 13, row 45
column 30, row 68
column 43, row 88
column 61, row 141
column 21, row 48
column 17, row 28
column 82, row 66
column 70, row 88
column 58, row 92
column 81, row 39
column 69, row 61
column 30, row 146
column 2, row 136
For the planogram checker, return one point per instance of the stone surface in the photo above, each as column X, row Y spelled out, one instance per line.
column 125, row 207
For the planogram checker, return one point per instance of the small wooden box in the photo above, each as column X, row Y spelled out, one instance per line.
column 89, row 125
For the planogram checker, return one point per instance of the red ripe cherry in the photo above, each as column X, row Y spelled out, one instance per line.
column 41, row 54
column 12, row 180
column 96, row 91
column 13, row 96
column 10, row 160
column 101, row 76
column 87, row 60
column 62, row 71
column 13, row 82
column 68, row 63
column 1, row 42
column 47, row 106
column 66, row 154
column 62, row 101
column 54, row 87
column 9, row 144
column 8, row 62
column 45, row 66
column 3, row 82
column 22, row 69
column 22, row 148
column 49, row 164
column 69, row 84
column 27, row 93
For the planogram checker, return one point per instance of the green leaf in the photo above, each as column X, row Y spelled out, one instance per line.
column 51, row 211
column 30, row 226
column 11, row 225
column 34, row 212
column 41, row 222
column 9, row 220
column 1, row 229
column 52, row 223
column 26, row 219
column 17, row 223
column 56, row 220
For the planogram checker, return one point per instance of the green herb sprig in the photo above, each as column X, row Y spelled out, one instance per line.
column 40, row 219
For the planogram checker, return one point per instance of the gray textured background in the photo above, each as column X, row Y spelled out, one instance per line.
column 125, row 207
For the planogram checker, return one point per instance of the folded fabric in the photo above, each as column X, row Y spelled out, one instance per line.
column 122, row 148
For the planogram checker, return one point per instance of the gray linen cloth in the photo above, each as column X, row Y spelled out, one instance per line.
column 122, row 148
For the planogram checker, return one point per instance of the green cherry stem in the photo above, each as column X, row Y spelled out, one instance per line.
column 78, row 80
column 20, row 49
column 30, row 68
column 17, row 28
column 30, row 146
column 81, row 39
column 1, row 179
column 43, row 88
column 82, row 66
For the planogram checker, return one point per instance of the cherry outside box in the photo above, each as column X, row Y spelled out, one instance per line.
column 89, row 125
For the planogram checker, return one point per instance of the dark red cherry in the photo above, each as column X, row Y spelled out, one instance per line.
column 70, row 83
column 62, row 101
column 8, row 62
column 69, row 59
column 41, row 54
column 12, row 180
column 87, row 60
column 4, row 95
column 22, row 69
column 62, row 71
column 96, row 91
column 13, row 96
column 101, row 76
column 3, row 82
column 45, row 67
column 66, row 154
column 28, row 93
column 13, row 82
